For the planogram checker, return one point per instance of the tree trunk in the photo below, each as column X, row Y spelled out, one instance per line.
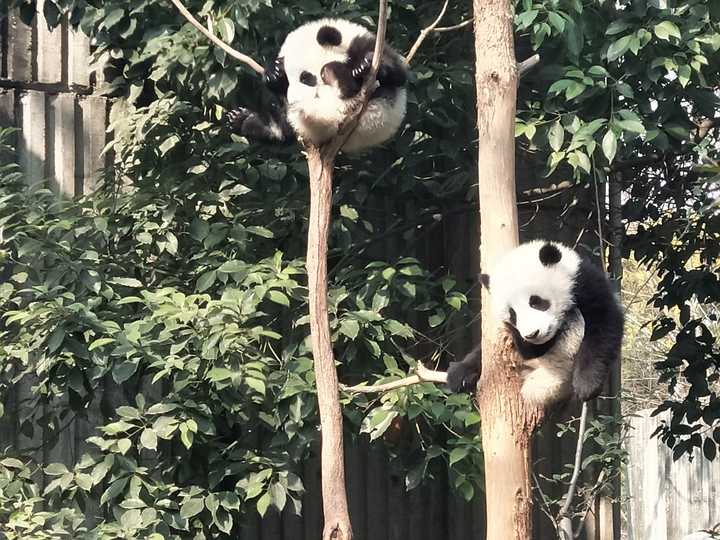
column 335, row 507
column 507, row 423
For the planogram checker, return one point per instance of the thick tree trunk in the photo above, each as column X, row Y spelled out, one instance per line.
column 507, row 423
column 335, row 507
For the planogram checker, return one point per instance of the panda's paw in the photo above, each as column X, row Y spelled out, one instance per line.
column 236, row 118
column 361, row 71
column 462, row 377
column 275, row 73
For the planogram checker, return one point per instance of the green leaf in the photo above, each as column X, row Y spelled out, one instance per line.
column 114, row 490
column 205, row 281
column 192, row 507
column 666, row 29
column 126, row 282
column 349, row 328
column 100, row 343
column 56, row 469
column 148, row 439
column 609, row 145
column 618, row 48
column 263, row 504
column 279, row 298
column 556, row 136
column 631, row 125
column 458, row 454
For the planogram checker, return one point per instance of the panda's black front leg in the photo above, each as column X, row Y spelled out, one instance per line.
column 275, row 77
column 463, row 376
column 272, row 127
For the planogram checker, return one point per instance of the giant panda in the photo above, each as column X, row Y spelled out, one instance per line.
column 321, row 66
column 564, row 318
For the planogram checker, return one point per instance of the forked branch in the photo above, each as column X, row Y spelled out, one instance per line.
column 424, row 33
column 216, row 40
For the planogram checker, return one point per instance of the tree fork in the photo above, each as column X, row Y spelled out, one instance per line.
column 507, row 422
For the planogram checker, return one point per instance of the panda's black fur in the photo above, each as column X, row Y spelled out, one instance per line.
column 550, row 283
column 321, row 66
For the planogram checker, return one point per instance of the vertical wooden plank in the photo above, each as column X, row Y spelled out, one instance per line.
column 312, row 499
column 78, row 58
column 397, row 505
column 19, row 49
column 418, row 508
column 91, row 139
column 355, row 464
column 377, row 513
column 437, row 508
column 7, row 108
column 61, row 143
column 270, row 526
column 32, row 138
column 292, row 524
column 49, row 49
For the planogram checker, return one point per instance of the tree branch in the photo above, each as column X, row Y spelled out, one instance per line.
column 217, row 41
column 422, row 375
column 321, row 163
column 425, row 32
column 564, row 520
column 526, row 65
column 453, row 27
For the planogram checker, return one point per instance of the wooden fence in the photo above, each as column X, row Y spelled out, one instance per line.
column 668, row 499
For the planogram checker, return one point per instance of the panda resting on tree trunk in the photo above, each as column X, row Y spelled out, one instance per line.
column 542, row 291
column 320, row 68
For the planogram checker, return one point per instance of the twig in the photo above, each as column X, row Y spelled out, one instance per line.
column 217, row 41
column 425, row 32
column 564, row 520
column 422, row 375
column 453, row 27
column 526, row 65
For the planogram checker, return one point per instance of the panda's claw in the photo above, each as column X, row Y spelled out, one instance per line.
column 236, row 117
column 363, row 69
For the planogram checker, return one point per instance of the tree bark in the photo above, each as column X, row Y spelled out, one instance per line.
column 335, row 507
column 507, row 422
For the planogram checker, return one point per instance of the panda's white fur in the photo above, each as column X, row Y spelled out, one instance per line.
column 548, row 378
column 556, row 282
column 316, row 112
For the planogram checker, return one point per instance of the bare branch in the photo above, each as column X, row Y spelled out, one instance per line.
column 526, row 65
column 424, row 33
column 422, row 375
column 217, row 41
column 564, row 521
column 454, row 26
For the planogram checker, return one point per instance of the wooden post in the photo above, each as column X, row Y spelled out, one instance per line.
column 507, row 423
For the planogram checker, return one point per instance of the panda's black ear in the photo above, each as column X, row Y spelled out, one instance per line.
column 329, row 35
column 485, row 281
column 549, row 255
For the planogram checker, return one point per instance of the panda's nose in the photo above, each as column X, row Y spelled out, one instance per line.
column 533, row 335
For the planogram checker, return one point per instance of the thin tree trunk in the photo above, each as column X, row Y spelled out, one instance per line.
column 335, row 507
column 507, row 423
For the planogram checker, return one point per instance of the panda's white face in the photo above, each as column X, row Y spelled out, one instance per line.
column 304, row 58
column 531, row 288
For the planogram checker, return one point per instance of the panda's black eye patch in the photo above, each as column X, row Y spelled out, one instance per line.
column 513, row 316
column 536, row 302
column 329, row 35
column 308, row 78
